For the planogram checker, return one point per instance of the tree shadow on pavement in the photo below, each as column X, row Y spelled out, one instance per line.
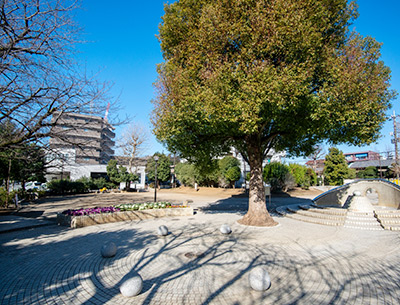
column 195, row 264
column 239, row 203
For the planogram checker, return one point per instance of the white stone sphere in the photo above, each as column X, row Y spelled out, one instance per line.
column 109, row 250
column 162, row 230
column 357, row 193
column 132, row 286
column 225, row 229
column 259, row 279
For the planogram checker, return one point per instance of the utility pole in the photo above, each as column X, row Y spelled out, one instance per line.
column 396, row 151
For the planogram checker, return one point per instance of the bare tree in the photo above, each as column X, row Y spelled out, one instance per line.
column 39, row 81
column 133, row 143
column 316, row 155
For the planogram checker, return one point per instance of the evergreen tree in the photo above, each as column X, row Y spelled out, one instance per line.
column 336, row 168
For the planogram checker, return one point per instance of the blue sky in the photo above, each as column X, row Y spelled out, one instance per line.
column 123, row 49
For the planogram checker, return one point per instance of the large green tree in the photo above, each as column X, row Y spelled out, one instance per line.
column 336, row 168
column 257, row 74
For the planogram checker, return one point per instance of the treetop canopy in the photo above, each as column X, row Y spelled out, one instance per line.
column 283, row 73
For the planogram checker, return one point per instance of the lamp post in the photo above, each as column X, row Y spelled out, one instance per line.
column 155, row 178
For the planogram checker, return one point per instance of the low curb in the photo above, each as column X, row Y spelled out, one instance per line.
column 95, row 219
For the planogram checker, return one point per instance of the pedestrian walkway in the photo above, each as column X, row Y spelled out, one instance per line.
column 9, row 223
column 196, row 264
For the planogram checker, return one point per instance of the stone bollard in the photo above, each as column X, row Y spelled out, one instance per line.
column 162, row 231
column 132, row 286
column 108, row 250
column 225, row 229
column 259, row 279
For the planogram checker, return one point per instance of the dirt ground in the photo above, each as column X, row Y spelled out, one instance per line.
column 203, row 199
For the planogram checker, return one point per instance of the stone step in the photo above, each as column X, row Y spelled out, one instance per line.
column 392, row 227
column 387, row 215
column 361, row 217
column 315, row 220
column 282, row 211
column 293, row 209
column 389, row 221
column 331, row 211
column 360, row 214
column 311, row 213
column 363, row 228
column 363, row 223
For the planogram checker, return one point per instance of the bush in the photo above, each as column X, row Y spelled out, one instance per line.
column 303, row 175
column 63, row 186
column 278, row 176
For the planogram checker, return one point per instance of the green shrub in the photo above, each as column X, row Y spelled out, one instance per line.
column 64, row 186
column 277, row 175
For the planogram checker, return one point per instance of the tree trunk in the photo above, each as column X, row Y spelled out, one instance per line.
column 257, row 214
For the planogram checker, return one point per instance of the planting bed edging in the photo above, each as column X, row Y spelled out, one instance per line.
column 95, row 219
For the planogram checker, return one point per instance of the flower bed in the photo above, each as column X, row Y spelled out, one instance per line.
column 87, row 217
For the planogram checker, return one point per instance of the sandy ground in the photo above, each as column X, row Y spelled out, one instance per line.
column 206, row 199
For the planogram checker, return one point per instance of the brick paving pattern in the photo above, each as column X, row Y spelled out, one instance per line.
column 195, row 264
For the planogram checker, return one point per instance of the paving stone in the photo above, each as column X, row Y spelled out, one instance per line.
column 309, row 263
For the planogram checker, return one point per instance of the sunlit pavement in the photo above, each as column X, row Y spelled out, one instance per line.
column 196, row 264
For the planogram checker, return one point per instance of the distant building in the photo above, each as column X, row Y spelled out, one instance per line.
column 357, row 160
column 362, row 156
column 84, row 138
column 82, row 146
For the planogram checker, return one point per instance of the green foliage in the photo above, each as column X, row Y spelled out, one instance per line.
column 368, row 173
column 232, row 174
column 237, row 71
column 336, row 168
column 351, row 174
column 229, row 168
column 7, row 197
column 64, row 186
column 119, row 174
column 186, row 173
column 256, row 75
column 303, row 175
column 163, row 168
column 276, row 174
column 214, row 173
column 99, row 183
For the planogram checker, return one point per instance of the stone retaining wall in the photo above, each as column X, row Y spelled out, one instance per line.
column 95, row 219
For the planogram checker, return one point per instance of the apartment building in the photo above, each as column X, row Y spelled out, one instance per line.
column 85, row 139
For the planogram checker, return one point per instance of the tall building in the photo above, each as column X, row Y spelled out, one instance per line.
column 82, row 139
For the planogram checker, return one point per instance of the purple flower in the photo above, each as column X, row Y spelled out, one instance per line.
column 89, row 211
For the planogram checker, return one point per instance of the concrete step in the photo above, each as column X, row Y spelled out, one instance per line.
column 392, row 227
column 389, row 221
column 363, row 223
column 282, row 211
column 387, row 215
column 368, row 228
column 331, row 211
column 320, row 221
column 311, row 213
column 360, row 214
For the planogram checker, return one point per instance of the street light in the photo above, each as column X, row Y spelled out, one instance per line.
column 155, row 178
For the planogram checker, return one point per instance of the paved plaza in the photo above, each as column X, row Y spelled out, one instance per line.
column 196, row 264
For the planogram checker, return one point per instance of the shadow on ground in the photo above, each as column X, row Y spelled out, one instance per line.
column 239, row 203
column 56, row 266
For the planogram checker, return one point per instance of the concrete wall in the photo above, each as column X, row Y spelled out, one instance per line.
column 388, row 193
